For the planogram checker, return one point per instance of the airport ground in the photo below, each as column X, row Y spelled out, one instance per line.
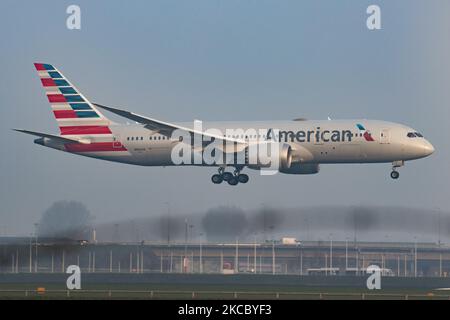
column 181, row 286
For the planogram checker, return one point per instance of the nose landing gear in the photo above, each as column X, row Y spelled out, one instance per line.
column 232, row 178
column 396, row 164
column 394, row 174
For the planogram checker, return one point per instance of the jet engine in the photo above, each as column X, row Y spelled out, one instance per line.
column 261, row 156
column 301, row 168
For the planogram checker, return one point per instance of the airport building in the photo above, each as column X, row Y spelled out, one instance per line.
column 287, row 256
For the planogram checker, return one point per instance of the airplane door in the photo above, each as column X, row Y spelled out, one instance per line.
column 116, row 142
column 385, row 136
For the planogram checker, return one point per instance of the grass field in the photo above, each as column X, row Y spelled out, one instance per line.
column 162, row 291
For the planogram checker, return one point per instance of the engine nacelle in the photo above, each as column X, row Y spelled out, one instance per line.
column 262, row 156
column 302, row 168
column 285, row 157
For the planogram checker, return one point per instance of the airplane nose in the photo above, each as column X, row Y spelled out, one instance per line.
column 419, row 149
column 428, row 148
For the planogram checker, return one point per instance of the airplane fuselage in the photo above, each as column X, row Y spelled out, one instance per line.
column 312, row 141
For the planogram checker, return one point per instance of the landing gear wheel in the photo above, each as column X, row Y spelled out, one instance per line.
column 227, row 176
column 395, row 175
column 243, row 178
column 233, row 181
column 217, row 178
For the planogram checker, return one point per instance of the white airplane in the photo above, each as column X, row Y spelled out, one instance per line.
column 302, row 145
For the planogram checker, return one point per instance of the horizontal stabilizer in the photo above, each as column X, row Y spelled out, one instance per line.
column 53, row 137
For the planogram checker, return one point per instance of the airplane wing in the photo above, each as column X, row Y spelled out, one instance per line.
column 53, row 137
column 164, row 128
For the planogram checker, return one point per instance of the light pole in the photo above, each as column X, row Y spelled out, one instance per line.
column 331, row 253
column 190, row 240
column 273, row 256
column 185, row 245
column 236, row 259
column 254, row 255
column 346, row 254
column 36, row 251
column 301, row 258
column 201, row 254
column 168, row 223
column 110, row 260
column 31, row 253
column 439, row 226
column 191, row 227
column 415, row 257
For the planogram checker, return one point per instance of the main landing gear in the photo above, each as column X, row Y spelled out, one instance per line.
column 232, row 178
column 396, row 164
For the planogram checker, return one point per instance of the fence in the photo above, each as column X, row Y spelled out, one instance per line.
column 41, row 293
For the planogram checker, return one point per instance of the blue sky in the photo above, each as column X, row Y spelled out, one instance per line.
column 222, row 60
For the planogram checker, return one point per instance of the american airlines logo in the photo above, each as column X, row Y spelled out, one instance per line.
column 317, row 135
column 367, row 135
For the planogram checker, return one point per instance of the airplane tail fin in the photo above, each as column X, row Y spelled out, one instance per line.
column 74, row 113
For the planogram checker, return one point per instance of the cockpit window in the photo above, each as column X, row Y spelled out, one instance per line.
column 414, row 135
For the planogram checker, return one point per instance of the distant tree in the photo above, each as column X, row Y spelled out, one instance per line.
column 224, row 223
column 170, row 229
column 266, row 221
column 66, row 219
column 362, row 219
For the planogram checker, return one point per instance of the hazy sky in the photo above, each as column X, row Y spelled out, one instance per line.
column 222, row 60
